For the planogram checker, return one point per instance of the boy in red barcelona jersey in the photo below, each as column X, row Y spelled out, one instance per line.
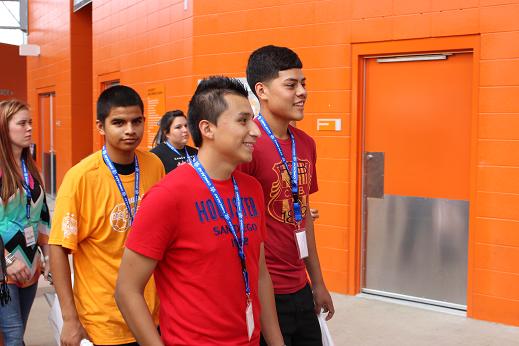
column 201, row 232
column 284, row 163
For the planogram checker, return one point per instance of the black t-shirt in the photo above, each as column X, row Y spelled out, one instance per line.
column 124, row 169
column 169, row 158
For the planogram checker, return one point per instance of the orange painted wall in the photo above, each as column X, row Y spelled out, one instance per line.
column 50, row 72
column 81, row 82
column 323, row 33
column 50, row 26
column 13, row 72
column 226, row 32
column 493, row 288
column 144, row 43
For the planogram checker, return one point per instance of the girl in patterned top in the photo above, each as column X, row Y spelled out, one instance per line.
column 24, row 219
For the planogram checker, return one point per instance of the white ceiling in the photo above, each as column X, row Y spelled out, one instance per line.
column 10, row 16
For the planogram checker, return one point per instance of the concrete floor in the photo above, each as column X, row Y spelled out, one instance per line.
column 360, row 320
column 370, row 322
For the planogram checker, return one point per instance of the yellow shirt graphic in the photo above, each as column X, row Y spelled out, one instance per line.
column 91, row 220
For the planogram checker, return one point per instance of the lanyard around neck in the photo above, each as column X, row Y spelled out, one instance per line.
column 120, row 185
column 27, row 189
column 240, row 242
column 188, row 158
column 294, row 177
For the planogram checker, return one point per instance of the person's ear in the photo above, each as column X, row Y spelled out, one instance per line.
column 206, row 129
column 261, row 91
column 100, row 127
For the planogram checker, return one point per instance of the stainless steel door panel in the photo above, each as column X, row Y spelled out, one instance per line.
column 417, row 247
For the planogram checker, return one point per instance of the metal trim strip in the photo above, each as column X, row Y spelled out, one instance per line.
column 415, row 299
column 417, row 54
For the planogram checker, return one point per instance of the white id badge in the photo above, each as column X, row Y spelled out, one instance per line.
column 249, row 316
column 302, row 246
column 30, row 240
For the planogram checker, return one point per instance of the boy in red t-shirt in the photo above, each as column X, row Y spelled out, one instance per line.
column 276, row 77
column 201, row 232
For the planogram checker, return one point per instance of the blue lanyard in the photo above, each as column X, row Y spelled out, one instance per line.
column 188, row 158
column 294, row 176
column 27, row 189
column 221, row 207
column 120, row 185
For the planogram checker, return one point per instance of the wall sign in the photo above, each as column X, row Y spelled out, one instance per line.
column 6, row 92
column 329, row 124
column 155, row 109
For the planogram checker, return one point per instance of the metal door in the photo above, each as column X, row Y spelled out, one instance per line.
column 416, row 152
column 48, row 154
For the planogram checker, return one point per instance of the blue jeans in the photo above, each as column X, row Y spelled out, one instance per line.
column 14, row 315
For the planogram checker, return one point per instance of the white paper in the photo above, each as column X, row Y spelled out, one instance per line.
column 327, row 338
column 55, row 319
column 249, row 315
column 302, row 246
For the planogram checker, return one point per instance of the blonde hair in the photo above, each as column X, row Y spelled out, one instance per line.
column 9, row 170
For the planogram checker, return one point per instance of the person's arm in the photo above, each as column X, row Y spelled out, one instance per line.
column 269, row 318
column 46, row 260
column 134, row 273
column 43, row 238
column 43, row 243
column 314, row 213
column 73, row 331
column 322, row 298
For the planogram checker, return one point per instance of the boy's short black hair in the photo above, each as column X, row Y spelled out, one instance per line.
column 265, row 63
column 117, row 96
column 208, row 102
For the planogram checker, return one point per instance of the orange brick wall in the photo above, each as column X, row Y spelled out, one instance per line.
column 144, row 43
column 13, row 70
column 50, row 26
column 323, row 33
column 50, row 72
column 81, row 82
column 225, row 33
column 495, row 225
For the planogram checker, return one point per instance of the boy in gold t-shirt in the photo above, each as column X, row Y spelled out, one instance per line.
column 94, row 210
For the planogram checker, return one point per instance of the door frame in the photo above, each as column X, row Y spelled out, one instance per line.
column 51, row 93
column 402, row 58
column 403, row 47
column 104, row 80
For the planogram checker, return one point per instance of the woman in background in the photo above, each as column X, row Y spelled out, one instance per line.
column 170, row 143
column 24, row 219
